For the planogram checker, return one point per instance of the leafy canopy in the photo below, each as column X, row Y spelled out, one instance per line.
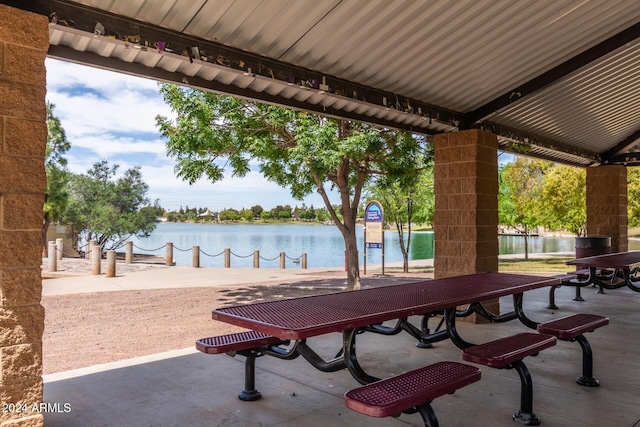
column 213, row 133
column 56, row 195
column 110, row 209
column 300, row 151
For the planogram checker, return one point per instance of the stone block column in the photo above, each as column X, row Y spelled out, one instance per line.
column 607, row 205
column 466, row 208
column 24, row 40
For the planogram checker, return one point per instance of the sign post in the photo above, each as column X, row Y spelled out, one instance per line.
column 373, row 230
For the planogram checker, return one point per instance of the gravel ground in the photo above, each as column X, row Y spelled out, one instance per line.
column 87, row 329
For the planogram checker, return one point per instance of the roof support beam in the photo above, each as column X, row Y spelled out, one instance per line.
column 616, row 154
column 596, row 52
column 139, row 70
column 526, row 139
column 146, row 36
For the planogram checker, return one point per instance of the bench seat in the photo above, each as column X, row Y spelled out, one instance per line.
column 504, row 351
column 249, row 344
column 508, row 353
column 573, row 328
column 570, row 327
column 235, row 342
column 414, row 389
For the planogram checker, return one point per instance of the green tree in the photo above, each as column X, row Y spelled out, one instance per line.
column 308, row 214
column 108, row 209
column 284, row 215
column 633, row 195
column 56, row 195
column 520, row 185
column 230, row 215
column 563, row 204
column 247, row 214
column 297, row 150
column 257, row 211
column 399, row 198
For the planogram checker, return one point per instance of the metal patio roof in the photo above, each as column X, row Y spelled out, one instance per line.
column 553, row 79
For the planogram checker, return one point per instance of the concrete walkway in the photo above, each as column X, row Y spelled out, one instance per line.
column 188, row 388
column 74, row 276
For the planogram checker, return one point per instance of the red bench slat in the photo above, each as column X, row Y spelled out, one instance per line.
column 569, row 327
column 394, row 395
column 504, row 351
column 235, row 342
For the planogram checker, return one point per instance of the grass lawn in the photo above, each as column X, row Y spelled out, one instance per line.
column 538, row 265
column 553, row 265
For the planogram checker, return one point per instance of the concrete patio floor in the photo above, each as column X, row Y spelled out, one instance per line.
column 188, row 388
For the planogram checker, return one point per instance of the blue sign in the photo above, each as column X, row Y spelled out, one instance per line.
column 373, row 212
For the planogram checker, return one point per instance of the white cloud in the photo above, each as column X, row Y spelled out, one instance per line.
column 89, row 100
column 111, row 116
column 106, row 145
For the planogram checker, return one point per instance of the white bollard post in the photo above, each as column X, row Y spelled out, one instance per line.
column 195, row 257
column 88, row 248
column 227, row 258
column 59, row 248
column 111, row 263
column 51, row 256
column 96, row 259
column 168, row 258
column 128, row 252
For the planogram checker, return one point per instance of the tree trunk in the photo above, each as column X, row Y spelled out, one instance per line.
column 353, row 262
column 403, row 247
column 526, row 244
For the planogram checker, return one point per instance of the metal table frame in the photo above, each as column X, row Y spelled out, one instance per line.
column 355, row 312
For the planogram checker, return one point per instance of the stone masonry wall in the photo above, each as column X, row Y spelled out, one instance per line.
column 24, row 40
column 607, row 205
column 466, row 210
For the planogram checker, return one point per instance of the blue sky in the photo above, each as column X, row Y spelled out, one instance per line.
column 111, row 116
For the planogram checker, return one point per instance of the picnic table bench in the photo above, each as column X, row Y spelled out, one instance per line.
column 412, row 391
column 250, row 344
column 573, row 328
column 353, row 312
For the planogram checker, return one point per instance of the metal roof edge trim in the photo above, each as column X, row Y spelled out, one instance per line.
column 148, row 35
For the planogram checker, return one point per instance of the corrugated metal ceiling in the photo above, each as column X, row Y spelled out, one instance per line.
column 456, row 55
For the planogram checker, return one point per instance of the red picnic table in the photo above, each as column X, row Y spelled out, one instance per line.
column 274, row 324
column 351, row 312
column 624, row 265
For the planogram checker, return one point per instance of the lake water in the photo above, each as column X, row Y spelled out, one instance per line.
column 323, row 244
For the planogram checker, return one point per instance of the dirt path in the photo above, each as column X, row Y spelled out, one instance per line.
column 87, row 329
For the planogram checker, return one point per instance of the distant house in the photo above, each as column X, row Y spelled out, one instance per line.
column 208, row 215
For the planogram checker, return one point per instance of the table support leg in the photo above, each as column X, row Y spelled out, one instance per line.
column 349, row 345
column 450, row 318
column 518, row 300
column 552, row 297
column 627, row 275
column 525, row 415
column 249, row 393
column 586, row 379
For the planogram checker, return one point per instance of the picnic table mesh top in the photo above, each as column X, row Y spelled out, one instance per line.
column 345, row 310
column 615, row 260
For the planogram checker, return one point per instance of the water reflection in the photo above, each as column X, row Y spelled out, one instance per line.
column 323, row 245
column 509, row 244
